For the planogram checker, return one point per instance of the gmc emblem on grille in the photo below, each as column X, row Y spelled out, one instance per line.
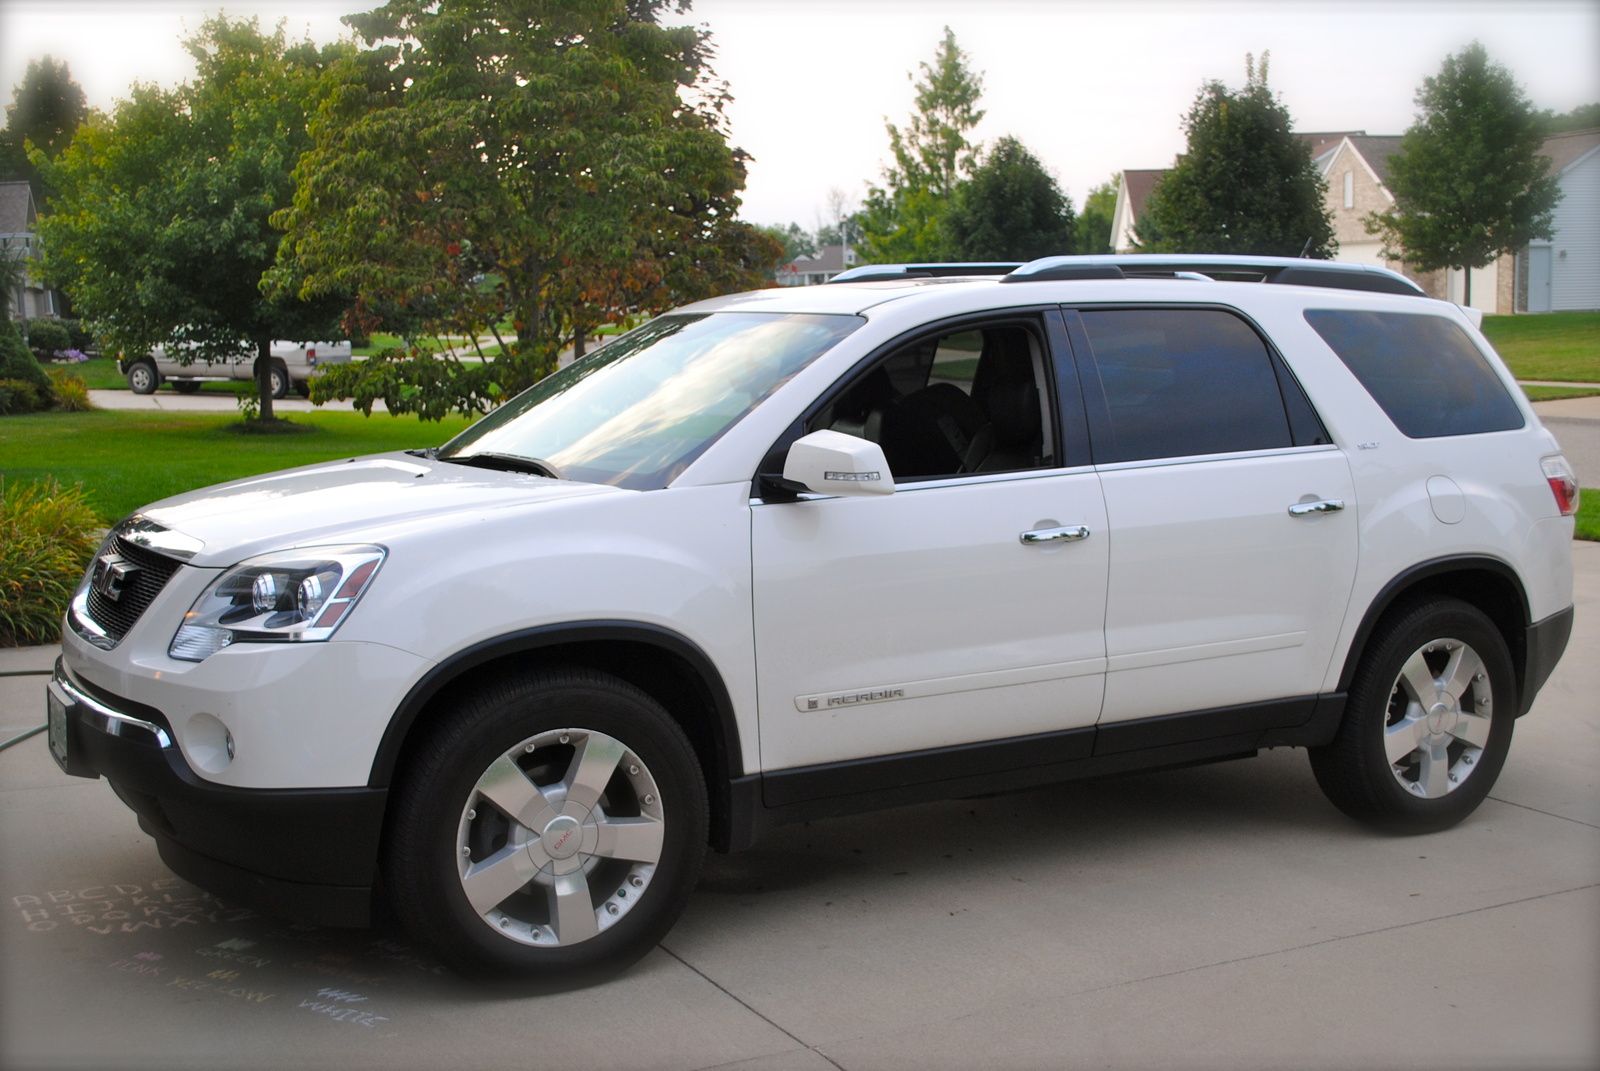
column 111, row 572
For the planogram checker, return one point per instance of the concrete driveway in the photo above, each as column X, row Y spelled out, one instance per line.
column 1223, row 916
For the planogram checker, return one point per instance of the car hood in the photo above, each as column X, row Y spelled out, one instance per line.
column 362, row 499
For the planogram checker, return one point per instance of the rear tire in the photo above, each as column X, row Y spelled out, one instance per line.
column 1428, row 721
column 278, row 379
column 548, row 827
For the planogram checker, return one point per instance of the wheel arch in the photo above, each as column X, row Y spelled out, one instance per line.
column 669, row 667
column 1487, row 583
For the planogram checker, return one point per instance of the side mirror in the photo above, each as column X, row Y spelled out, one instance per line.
column 833, row 463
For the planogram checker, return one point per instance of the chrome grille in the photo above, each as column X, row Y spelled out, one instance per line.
column 117, row 616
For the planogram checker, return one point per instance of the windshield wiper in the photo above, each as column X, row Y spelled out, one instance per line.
column 533, row 466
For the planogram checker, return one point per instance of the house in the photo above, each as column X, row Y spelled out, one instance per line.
column 1564, row 273
column 1133, row 189
column 1356, row 168
column 821, row 266
column 31, row 298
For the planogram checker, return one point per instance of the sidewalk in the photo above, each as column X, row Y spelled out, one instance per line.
column 172, row 402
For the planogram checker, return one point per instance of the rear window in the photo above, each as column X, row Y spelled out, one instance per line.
column 1423, row 370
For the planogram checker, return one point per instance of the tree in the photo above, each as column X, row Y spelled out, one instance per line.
column 160, row 230
column 44, row 113
column 796, row 241
column 1010, row 209
column 1093, row 231
column 477, row 164
column 1468, row 182
column 1245, row 183
column 1583, row 117
column 901, row 220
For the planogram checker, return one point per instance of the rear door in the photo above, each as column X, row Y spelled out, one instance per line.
column 1232, row 515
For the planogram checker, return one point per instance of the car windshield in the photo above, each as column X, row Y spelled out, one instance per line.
column 637, row 411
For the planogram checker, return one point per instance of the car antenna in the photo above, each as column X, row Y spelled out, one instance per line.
column 1305, row 249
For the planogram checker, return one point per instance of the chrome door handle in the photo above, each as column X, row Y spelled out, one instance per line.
column 1306, row 509
column 1069, row 534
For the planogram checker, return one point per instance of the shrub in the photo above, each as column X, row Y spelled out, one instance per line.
column 16, row 362
column 71, row 391
column 45, row 337
column 20, row 396
column 47, row 535
column 79, row 337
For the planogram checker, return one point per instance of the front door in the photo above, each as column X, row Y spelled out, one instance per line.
column 932, row 617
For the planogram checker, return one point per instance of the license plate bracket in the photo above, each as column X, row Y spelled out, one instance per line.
column 57, row 709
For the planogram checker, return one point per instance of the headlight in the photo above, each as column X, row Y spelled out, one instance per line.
column 291, row 596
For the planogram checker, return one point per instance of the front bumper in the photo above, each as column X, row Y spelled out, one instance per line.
column 307, row 854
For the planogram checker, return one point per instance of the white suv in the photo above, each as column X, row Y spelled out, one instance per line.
column 921, row 532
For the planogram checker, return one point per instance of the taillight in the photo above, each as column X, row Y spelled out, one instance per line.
column 1563, row 483
column 311, row 356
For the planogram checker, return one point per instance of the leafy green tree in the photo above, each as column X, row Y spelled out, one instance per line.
column 160, row 228
column 1010, row 209
column 795, row 240
column 902, row 220
column 1244, row 184
column 44, row 113
column 1468, row 182
column 1093, row 231
column 1583, row 117
column 575, row 154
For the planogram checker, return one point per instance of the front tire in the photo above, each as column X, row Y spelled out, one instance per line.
column 549, row 827
column 143, row 378
column 1428, row 721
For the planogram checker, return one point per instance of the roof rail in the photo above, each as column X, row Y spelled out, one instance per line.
column 868, row 273
column 1290, row 271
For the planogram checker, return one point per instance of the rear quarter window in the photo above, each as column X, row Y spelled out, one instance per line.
column 1422, row 370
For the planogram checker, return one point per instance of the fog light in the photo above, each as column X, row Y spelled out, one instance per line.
column 207, row 743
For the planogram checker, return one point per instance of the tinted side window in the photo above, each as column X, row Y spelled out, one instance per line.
column 1180, row 382
column 1423, row 370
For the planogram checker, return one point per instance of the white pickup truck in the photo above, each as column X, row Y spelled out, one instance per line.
column 293, row 364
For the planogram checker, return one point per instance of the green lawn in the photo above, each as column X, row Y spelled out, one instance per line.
column 1589, row 514
column 1553, row 394
column 126, row 459
column 380, row 342
column 1563, row 346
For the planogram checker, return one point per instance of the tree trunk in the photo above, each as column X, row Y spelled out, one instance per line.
column 1466, row 297
column 264, row 378
column 577, row 345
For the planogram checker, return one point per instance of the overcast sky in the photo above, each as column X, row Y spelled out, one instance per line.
column 1090, row 87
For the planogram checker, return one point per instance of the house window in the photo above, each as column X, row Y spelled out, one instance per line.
column 1349, row 189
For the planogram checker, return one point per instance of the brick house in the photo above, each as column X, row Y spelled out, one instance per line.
column 1563, row 273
